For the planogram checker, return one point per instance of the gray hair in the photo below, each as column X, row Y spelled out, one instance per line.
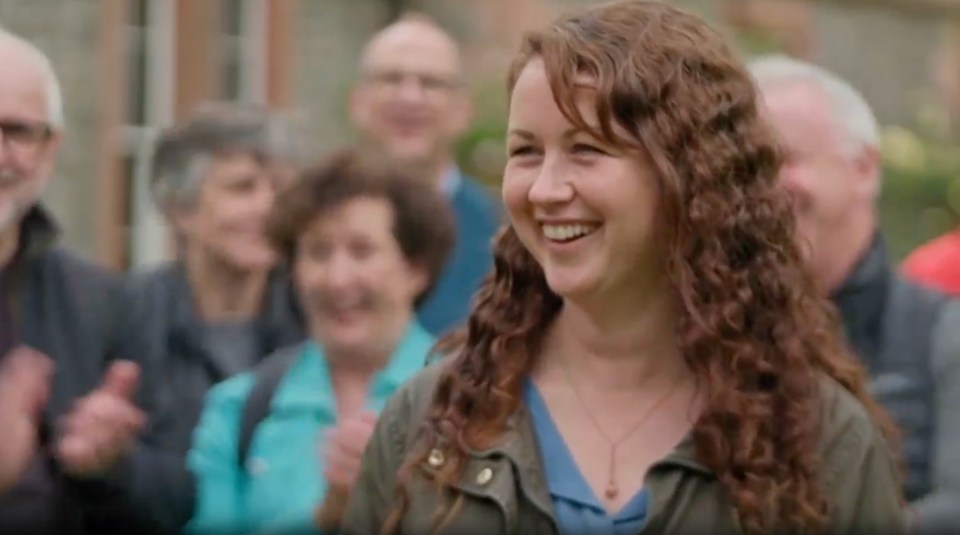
column 184, row 153
column 850, row 110
column 54, row 96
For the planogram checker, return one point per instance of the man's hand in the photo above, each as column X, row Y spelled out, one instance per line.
column 344, row 448
column 103, row 426
column 25, row 376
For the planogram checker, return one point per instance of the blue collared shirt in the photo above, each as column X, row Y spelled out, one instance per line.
column 477, row 216
column 450, row 181
column 283, row 482
column 575, row 506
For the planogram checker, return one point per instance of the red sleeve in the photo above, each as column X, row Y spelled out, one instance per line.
column 936, row 264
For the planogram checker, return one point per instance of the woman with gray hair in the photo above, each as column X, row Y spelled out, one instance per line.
column 224, row 302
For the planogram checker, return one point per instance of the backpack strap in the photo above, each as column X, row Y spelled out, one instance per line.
column 267, row 377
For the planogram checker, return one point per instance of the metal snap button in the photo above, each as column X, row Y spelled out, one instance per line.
column 484, row 476
column 436, row 458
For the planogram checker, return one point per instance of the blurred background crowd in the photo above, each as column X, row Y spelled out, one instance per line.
column 133, row 66
column 171, row 151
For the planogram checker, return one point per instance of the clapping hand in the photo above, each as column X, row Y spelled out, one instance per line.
column 25, row 376
column 103, row 426
column 343, row 450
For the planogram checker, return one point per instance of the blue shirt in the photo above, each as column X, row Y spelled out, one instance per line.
column 477, row 216
column 575, row 506
column 283, row 481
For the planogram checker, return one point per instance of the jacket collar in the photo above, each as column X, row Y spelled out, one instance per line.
column 862, row 298
column 310, row 383
column 870, row 272
column 39, row 232
column 279, row 322
column 518, row 445
column 38, row 235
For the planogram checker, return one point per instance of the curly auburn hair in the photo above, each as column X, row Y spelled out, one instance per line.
column 752, row 329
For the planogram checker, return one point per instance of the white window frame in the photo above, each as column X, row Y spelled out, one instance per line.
column 149, row 237
column 254, row 48
column 148, row 241
column 251, row 45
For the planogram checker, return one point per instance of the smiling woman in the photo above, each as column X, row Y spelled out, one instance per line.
column 364, row 244
column 650, row 355
column 583, row 206
column 222, row 304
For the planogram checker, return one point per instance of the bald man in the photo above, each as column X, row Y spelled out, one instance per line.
column 411, row 104
column 74, row 415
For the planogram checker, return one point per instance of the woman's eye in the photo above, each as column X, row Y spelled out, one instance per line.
column 585, row 148
column 522, row 151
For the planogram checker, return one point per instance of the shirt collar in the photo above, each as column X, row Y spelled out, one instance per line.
column 38, row 233
column 308, row 383
column 450, row 181
column 408, row 358
column 564, row 479
column 862, row 299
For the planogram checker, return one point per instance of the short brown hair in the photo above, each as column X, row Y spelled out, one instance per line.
column 423, row 222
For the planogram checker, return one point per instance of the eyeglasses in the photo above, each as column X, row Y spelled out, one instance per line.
column 25, row 136
column 429, row 83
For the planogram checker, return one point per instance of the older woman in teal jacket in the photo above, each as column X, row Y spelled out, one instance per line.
column 364, row 245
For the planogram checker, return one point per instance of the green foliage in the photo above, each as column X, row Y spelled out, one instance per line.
column 914, row 208
column 480, row 152
column 921, row 195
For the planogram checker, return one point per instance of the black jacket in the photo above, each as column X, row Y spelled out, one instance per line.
column 905, row 336
column 80, row 316
column 173, row 332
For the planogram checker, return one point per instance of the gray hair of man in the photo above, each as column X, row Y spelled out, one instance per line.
column 850, row 110
column 184, row 153
column 54, row 96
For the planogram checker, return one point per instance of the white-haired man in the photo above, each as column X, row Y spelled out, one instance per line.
column 72, row 459
column 906, row 336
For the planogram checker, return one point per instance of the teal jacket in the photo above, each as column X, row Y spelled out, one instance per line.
column 283, row 481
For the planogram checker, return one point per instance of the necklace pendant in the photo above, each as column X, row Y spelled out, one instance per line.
column 611, row 492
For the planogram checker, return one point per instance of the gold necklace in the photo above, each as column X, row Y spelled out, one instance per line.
column 613, row 490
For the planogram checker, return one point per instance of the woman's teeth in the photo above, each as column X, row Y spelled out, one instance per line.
column 568, row 232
